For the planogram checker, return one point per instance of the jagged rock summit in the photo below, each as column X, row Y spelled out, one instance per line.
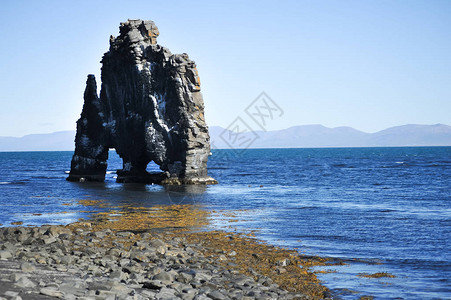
column 150, row 109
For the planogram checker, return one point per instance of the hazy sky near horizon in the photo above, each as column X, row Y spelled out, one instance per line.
column 365, row 64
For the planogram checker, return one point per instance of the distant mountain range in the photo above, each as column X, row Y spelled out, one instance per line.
column 305, row 136
column 56, row 141
column 313, row 136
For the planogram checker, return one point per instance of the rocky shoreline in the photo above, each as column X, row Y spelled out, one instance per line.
column 97, row 261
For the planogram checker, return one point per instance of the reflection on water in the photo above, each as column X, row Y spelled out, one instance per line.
column 186, row 189
column 141, row 194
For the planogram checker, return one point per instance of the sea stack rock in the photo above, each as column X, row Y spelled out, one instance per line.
column 150, row 109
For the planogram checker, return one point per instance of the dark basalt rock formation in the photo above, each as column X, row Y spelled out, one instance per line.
column 150, row 109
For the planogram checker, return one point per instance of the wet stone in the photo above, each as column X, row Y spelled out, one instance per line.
column 49, row 240
column 164, row 276
column 4, row 254
column 166, row 293
column 52, row 292
column 27, row 267
column 24, row 282
column 11, row 294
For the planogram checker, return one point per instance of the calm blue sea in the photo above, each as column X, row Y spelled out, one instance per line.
column 378, row 209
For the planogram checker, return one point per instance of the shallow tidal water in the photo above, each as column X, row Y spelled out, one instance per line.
column 376, row 209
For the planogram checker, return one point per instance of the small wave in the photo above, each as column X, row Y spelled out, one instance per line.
column 111, row 172
column 399, row 162
column 322, row 237
column 18, row 182
column 67, row 172
column 346, row 166
column 339, row 165
column 387, row 210
column 5, row 182
column 397, row 165
column 45, row 177
column 308, row 207
column 435, row 165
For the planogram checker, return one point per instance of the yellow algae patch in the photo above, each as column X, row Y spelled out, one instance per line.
column 325, row 271
column 228, row 216
column 249, row 256
column 99, row 203
column 181, row 217
column 377, row 275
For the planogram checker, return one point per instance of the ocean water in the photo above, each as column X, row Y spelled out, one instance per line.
column 376, row 209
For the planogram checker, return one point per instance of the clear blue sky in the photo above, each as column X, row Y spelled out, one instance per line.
column 365, row 64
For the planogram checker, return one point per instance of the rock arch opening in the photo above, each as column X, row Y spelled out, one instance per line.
column 152, row 167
